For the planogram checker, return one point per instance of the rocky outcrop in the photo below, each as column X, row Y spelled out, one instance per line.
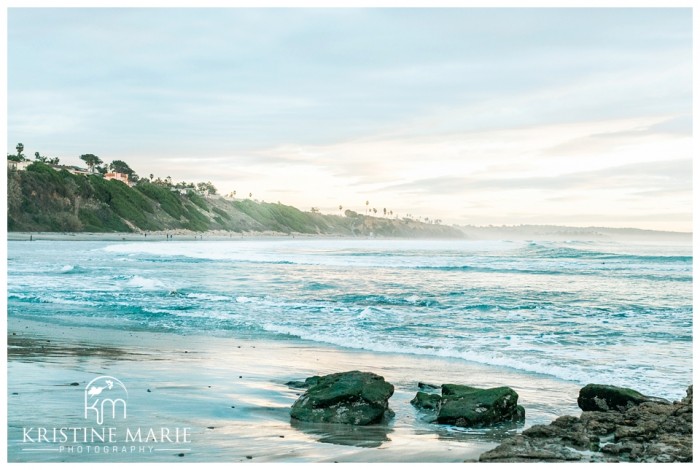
column 347, row 397
column 465, row 406
column 652, row 431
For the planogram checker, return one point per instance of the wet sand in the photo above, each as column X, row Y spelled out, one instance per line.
column 231, row 394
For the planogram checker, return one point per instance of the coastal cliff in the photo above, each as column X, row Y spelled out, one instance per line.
column 42, row 199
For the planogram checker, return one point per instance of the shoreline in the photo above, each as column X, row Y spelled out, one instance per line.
column 469, row 234
column 156, row 236
column 195, row 380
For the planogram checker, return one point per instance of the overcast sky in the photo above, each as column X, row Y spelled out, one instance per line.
column 474, row 116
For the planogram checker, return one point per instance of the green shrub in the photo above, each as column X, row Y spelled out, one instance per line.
column 198, row 200
column 222, row 213
column 169, row 201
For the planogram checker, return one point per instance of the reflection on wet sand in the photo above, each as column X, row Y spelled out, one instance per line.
column 38, row 349
column 345, row 434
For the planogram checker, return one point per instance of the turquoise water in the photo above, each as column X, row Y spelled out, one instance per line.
column 582, row 312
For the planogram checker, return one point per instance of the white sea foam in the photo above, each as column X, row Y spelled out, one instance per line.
column 67, row 268
column 145, row 283
column 580, row 372
column 365, row 314
column 341, row 253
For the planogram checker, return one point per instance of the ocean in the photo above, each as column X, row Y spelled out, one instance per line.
column 581, row 312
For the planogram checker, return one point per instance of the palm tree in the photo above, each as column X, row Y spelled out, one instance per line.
column 250, row 195
column 151, row 176
column 340, row 208
column 20, row 149
column 385, row 212
column 367, row 208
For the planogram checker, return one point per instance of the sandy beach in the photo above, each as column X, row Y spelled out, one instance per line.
column 231, row 394
column 155, row 236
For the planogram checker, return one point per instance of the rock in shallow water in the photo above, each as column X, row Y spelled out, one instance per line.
column 308, row 382
column 347, row 397
column 426, row 401
column 478, row 407
column 652, row 431
column 465, row 406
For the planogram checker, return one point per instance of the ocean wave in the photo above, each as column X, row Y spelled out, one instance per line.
column 379, row 300
column 582, row 372
column 56, row 299
column 552, row 251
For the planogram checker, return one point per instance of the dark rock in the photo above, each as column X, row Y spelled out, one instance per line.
column 427, row 387
column 521, row 449
column 309, row 382
column 594, row 397
column 74, row 384
column 426, row 401
column 476, row 407
column 347, row 397
column 652, row 431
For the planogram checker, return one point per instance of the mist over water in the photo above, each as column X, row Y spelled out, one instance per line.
column 599, row 312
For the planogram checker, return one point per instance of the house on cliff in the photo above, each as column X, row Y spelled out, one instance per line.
column 123, row 177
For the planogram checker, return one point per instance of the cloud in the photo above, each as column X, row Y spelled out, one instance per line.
column 672, row 176
column 498, row 111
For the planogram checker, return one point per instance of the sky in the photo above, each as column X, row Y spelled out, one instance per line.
column 579, row 117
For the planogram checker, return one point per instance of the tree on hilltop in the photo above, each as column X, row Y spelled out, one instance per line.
column 120, row 166
column 207, row 187
column 91, row 161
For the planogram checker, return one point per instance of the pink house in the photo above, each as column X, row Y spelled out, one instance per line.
column 123, row 177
